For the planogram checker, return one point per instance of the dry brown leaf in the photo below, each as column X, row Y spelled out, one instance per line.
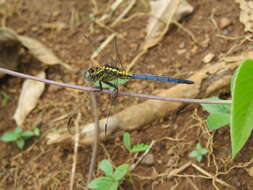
column 41, row 52
column 30, row 93
column 246, row 14
column 10, row 43
column 162, row 13
column 9, row 48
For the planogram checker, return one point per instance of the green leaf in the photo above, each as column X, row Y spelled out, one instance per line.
column 104, row 183
column 21, row 143
column 242, row 106
column 198, row 153
column 36, row 131
column 127, row 141
column 193, row 154
column 5, row 98
column 217, row 120
column 217, row 108
column 121, row 171
column 199, row 158
column 116, row 82
column 203, row 151
column 106, row 167
column 140, row 148
column 27, row 134
column 9, row 136
column 18, row 131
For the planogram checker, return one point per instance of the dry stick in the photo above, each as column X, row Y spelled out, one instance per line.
column 213, row 21
column 210, row 175
column 103, row 45
column 186, row 30
column 194, row 186
column 95, row 5
column 167, row 175
column 96, row 138
column 114, row 6
column 85, row 88
column 142, row 156
column 135, row 15
column 77, row 137
column 124, row 13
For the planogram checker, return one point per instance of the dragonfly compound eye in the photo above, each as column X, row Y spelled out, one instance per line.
column 88, row 74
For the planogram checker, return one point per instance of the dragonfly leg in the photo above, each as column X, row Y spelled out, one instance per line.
column 100, row 86
column 112, row 101
column 113, row 86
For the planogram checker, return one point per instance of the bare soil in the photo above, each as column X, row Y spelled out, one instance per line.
column 42, row 166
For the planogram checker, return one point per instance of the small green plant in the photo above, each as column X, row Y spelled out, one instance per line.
column 113, row 177
column 19, row 136
column 135, row 148
column 219, row 114
column 240, row 114
column 198, row 153
column 4, row 98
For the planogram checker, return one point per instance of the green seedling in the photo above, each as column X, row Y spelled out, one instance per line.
column 198, row 153
column 19, row 136
column 113, row 177
column 240, row 114
column 4, row 98
column 135, row 148
column 219, row 114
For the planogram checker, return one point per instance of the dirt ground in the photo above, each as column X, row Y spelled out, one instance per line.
column 42, row 166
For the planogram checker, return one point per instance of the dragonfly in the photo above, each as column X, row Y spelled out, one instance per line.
column 108, row 73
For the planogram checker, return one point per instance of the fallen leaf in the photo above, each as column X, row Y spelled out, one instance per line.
column 30, row 93
column 39, row 51
column 9, row 49
column 10, row 44
column 246, row 14
column 163, row 12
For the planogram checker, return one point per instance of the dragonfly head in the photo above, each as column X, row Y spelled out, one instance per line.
column 88, row 74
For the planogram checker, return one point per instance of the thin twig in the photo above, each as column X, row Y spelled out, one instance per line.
column 124, row 13
column 96, row 140
column 85, row 88
column 142, row 156
column 103, row 45
column 186, row 30
column 77, row 137
column 210, row 175
column 95, row 5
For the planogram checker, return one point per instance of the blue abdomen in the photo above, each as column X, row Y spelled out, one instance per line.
column 161, row 78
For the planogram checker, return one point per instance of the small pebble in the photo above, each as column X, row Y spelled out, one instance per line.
column 182, row 45
column 194, row 50
column 148, row 160
column 208, row 58
column 55, row 14
column 224, row 22
column 181, row 51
